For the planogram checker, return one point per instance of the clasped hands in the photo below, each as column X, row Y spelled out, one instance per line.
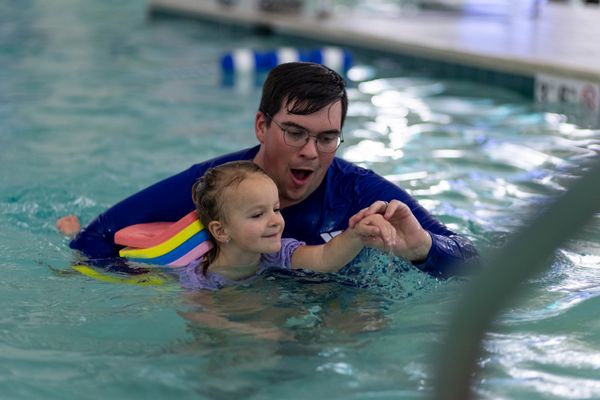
column 397, row 230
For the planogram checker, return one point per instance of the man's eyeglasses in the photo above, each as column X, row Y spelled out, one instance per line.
column 298, row 137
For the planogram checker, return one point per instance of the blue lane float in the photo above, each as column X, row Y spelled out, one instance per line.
column 249, row 60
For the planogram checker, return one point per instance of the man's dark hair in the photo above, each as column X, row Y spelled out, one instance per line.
column 303, row 88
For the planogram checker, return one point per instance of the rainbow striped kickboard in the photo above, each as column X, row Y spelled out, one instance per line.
column 165, row 243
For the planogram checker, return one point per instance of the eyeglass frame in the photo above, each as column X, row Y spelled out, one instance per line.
column 284, row 131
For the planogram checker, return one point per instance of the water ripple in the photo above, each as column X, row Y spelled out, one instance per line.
column 546, row 364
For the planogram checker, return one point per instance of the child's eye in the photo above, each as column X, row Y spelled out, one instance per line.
column 277, row 210
column 257, row 215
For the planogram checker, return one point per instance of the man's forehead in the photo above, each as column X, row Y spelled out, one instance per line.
column 333, row 111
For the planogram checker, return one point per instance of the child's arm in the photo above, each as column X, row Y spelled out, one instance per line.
column 372, row 231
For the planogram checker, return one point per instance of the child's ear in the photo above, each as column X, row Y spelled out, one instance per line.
column 218, row 231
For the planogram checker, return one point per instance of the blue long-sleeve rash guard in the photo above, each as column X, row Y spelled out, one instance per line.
column 345, row 190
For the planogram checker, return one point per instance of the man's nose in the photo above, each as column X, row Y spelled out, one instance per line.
column 310, row 148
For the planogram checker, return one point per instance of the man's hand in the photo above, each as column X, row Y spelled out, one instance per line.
column 68, row 225
column 412, row 241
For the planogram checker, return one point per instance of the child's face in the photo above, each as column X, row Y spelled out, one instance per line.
column 254, row 221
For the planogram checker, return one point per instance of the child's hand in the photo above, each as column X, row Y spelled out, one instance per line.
column 375, row 231
column 68, row 225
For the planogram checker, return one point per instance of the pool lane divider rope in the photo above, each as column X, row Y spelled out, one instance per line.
column 246, row 60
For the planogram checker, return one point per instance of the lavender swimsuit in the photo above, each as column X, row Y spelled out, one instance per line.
column 192, row 278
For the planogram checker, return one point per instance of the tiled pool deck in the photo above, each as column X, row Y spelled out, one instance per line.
column 510, row 49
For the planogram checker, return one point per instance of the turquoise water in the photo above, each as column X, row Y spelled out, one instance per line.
column 97, row 101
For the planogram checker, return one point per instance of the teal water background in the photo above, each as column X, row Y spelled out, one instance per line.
column 98, row 101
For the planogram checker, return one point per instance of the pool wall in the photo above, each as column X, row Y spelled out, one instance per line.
column 551, row 58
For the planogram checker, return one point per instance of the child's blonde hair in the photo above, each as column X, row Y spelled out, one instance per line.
column 207, row 194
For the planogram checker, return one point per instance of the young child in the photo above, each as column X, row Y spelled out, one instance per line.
column 238, row 203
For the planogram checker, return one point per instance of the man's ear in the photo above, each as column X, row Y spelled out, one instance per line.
column 260, row 126
column 218, row 231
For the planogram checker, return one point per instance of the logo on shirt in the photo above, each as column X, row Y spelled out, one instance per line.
column 327, row 236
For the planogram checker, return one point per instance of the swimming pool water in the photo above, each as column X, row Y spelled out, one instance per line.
column 97, row 101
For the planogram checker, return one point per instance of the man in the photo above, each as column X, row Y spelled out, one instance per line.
column 299, row 128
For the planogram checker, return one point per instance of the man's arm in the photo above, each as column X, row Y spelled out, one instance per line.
column 167, row 200
column 448, row 250
column 371, row 231
column 440, row 254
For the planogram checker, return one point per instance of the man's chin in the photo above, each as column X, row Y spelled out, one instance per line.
column 291, row 198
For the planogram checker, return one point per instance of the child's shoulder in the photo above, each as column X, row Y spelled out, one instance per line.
column 283, row 258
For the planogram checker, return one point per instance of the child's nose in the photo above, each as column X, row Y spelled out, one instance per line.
column 276, row 219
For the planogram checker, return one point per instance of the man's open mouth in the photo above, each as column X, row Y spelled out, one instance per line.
column 301, row 175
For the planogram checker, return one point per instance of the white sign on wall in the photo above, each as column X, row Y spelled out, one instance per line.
column 556, row 89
